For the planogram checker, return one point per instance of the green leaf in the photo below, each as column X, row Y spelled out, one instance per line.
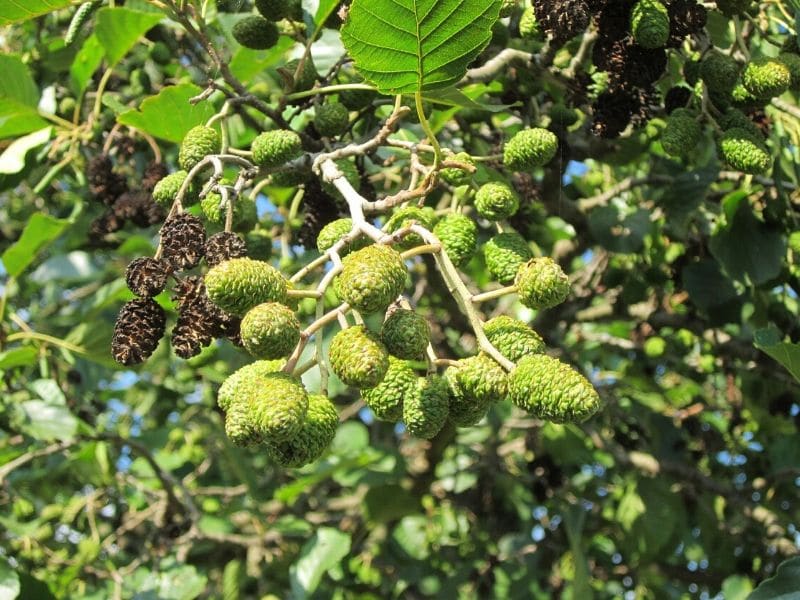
column 12, row 160
column 9, row 582
column 48, row 421
column 736, row 587
column 17, row 118
column 320, row 554
column 17, row 82
column 406, row 46
column 15, row 11
column 18, row 357
column 38, row 233
column 386, row 503
column 168, row 115
column 707, row 284
column 785, row 585
column 454, row 97
column 118, row 30
column 788, row 354
column 746, row 247
column 86, row 62
column 232, row 580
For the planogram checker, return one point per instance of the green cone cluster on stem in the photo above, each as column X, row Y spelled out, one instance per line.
column 371, row 278
column 335, row 231
column 406, row 334
column 528, row 25
column 513, row 338
column 198, row 143
column 504, row 254
column 386, row 399
column 215, row 210
column 331, row 119
column 405, row 217
column 166, row 190
column 270, row 330
column 275, row 148
column 474, row 383
column 235, row 384
column 496, row 201
column 459, row 237
column 550, row 389
column 745, row 151
column 456, row 176
column 541, row 283
column 313, row 437
column 766, row 77
column 274, row 10
column 271, row 408
column 426, row 409
column 530, row 148
column 239, row 284
column 681, row 134
column 256, row 32
column 358, row 357
column 650, row 23
column 719, row 71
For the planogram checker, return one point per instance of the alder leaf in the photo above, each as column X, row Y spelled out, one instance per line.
column 406, row 46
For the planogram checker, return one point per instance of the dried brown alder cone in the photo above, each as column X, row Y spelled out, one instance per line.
column 199, row 320
column 183, row 239
column 223, row 246
column 139, row 327
column 104, row 184
column 147, row 276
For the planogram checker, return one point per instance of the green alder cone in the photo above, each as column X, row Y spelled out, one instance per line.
column 456, row 176
column 528, row 25
column 239, row 284
column 719, row 72
column 256, row 33
column 247, row 375
column 278, row 407
column 474, row 384
column 504, row 254
column 315, row 435
column 681, row 134
column 198, row 143
column 406, row 334
column 513, row 338
column 459, row 237
column 550, row 389
column 792, row 62
column 357, row 99
column 741, row 97
column 562, row 116
column 542, row 284
column 386, row 399
column 275, row 148
column 336, row 230
column 405, row 217
column 269, row 408
column 166, row 190
column 358, row 357
column 650, row 23
column 530, row 148
column 371, row 278
column 744, row 151
column 426, row 409
column 215, row 211
column 331, row 119
column 270, row 330
column 306, row 79
column 734, row 117
column 496, row 201
column 274, row 10
column 766, row 77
